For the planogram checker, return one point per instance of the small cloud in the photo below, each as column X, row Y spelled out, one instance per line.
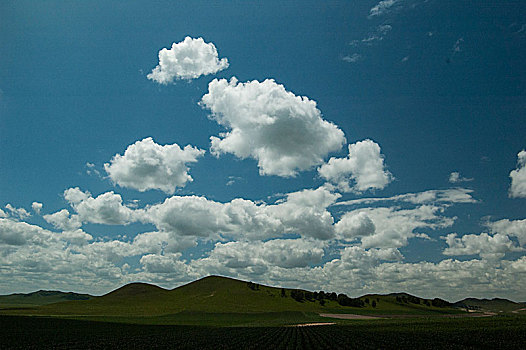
column 382, row 8
column 355, row 57
column 457, row 47
column 233, row 179
column 405, row 59
column 430, row 34
column 37, row 207
column 20, row 213
column 455, row 177
column 91, row 170
column 147, row 165
column 378, row 35
column 518, row 177
column 188, row 59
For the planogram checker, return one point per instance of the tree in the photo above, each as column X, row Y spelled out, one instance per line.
column 367, row 300
column 373, row 303
column 283, row 293
column 297, row 295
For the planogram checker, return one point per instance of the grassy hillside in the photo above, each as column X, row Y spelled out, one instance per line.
column 219, row 296
column 41, row 297
column 493, row 305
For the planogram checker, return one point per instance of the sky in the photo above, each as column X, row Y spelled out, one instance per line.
column 349, row 146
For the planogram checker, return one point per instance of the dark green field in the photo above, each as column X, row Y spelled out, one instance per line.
column 499, row 332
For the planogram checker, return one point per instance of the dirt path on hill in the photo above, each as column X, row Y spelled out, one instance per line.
column 519, row 310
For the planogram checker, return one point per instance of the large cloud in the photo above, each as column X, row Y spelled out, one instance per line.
column 487, row 246
column 518, row 177
column 515, row 228
column 390, row 227
column 147, row 165
column 364, row 166
column 285, row 133
column 188, row 59
column 303, row 213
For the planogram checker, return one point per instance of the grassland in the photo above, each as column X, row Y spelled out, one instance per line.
column 223, row 313
column 212, row 298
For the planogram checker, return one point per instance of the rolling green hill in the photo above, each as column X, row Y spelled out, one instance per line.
column 41, row 297
column 226, row 296
column 492, row 305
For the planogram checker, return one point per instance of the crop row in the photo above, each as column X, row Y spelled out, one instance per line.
column 32, row 332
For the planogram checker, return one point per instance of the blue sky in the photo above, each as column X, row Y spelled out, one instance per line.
column 259, row 104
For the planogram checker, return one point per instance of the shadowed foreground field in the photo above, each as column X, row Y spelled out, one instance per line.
column 506, row 332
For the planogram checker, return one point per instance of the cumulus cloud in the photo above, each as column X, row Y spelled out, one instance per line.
column 455, row 177
column 518, row 177
column 390, row 227
column 485, row 245
column 516, row 228
column 17, row 233
column 147, row 165
column 303, row 213
column 19, row 213
column 64, row 220
column 382, row 8
column 188, row 59
column 285, row 133
column 37, row 207
column 286, row 253
column 107, row 208
column 364, row 166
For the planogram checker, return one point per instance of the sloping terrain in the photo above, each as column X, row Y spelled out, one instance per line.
column 492, row 305
column 221, row 295
column 41, row 297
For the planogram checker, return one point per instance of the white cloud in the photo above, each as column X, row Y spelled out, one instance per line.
column 487, row 246
column 285, row 253
column 390, row 227
column 285, row 133
column 20, row 213
column 515, row 228
column 455, row 177
column 382, row 8
column 355, row 224
column 188, row 59
column 37, row 207
column 364, row 166
column 64, row 220
column 355, row 57
column 304, row 213
column 147, row 165
column 518, row 177
column 17, row 233
column 378, row 35
column 107, row 208
column 457, row 47
column 449, row 196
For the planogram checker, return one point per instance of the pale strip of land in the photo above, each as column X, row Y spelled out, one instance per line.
column 314, row 324
column 349, row 316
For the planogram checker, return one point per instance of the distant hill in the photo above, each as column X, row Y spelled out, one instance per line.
column 215, row 294
column 493, row 305
column 41, row 297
